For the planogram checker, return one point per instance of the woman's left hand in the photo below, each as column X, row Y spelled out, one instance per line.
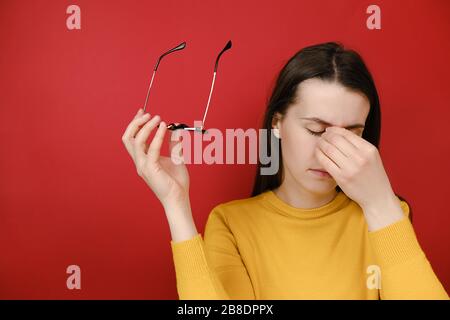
column 356, row 166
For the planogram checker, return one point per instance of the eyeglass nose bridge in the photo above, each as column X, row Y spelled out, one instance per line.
column 183, row 126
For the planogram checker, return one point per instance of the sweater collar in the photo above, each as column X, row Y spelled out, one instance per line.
column 271, row 199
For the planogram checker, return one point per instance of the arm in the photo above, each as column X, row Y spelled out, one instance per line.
column 357, row 167
column 405, row 271
column 211, row 268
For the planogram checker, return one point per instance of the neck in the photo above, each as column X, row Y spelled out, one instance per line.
column 299, row 197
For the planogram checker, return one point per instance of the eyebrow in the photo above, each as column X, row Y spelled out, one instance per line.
column 323, row 122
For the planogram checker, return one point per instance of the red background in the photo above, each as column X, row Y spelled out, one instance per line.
column 69, row 193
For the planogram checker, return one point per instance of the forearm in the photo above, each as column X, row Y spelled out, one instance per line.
column 195, row 277
column 406, row 272
column 181, row 222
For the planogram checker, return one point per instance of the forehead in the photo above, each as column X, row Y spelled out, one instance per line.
column 331, row 102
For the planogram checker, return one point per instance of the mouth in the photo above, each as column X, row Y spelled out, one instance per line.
column 321, row 173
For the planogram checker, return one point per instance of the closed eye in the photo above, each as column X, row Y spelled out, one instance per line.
column 314, row 133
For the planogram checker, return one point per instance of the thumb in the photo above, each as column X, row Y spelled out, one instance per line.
column 175, row 144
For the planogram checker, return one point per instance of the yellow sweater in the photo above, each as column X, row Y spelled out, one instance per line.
column 263, row 248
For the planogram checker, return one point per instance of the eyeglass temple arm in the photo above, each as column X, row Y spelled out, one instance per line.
column 181, row 46
column 228, row 46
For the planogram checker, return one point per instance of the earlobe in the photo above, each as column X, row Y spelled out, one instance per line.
column 275, row 122
column 276, row 133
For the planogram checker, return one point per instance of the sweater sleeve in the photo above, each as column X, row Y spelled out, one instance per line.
column 211, row 268
column 405, row 271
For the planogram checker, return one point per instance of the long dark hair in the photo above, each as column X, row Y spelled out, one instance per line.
column 330, row 62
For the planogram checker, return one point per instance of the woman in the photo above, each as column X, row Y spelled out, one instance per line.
column 327, row 225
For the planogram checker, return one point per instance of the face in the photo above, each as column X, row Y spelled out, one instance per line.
column 330, row 102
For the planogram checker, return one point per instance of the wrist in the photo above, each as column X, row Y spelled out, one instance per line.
column 178, row 211
column 177, row 205
column 383, row 213
column 387, row 200
column 181, row 222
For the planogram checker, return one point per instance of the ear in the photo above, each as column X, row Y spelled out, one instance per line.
column 276, row 124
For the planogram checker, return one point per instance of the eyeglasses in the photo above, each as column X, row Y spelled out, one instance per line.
column 183, row 126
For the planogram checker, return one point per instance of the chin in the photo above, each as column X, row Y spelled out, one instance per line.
column 321, row 187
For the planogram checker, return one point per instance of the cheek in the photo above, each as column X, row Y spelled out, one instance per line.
column 299, row 148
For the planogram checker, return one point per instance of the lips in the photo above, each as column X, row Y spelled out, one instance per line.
column 320, row 170
column 321, row 173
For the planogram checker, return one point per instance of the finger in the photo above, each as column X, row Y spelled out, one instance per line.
column 154, row 150
column 144, row 133
column 134, row 125
column 341, row 143
column 175, row 138
column 176, row 146
column 333, row 153
column 327, row 163
column 356, row 140
column 139, row 113
column 131, row 130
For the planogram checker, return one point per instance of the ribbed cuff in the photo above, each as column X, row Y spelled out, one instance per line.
column 395, row 244
column 189, row 258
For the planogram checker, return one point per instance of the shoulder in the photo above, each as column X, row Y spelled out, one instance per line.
column 233, row 217
column 237, row 208
column 239, row 204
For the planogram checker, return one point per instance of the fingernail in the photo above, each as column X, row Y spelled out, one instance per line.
column 140, row 110
column 146, row 115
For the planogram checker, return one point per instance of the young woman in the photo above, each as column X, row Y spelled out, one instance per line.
column 327, row 225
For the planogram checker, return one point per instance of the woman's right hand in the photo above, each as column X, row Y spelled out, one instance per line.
column 168, row 179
